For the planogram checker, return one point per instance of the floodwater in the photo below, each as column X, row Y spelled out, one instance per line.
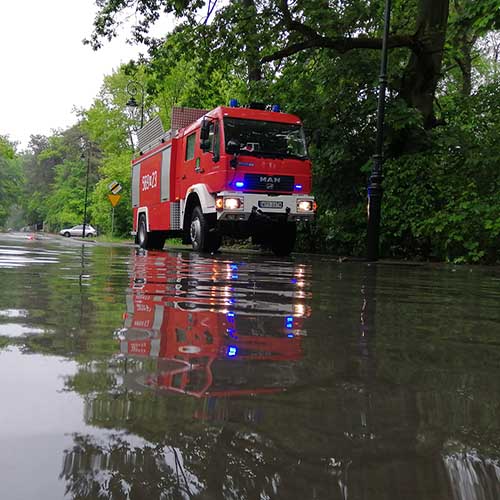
column 127, row 374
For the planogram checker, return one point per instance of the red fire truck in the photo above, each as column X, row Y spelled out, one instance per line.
column 236, row 171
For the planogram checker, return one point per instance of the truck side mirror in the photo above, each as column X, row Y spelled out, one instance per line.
column 233, row 146
column 205, row 135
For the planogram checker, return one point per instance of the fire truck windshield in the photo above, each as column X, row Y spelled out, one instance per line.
column 268, row 139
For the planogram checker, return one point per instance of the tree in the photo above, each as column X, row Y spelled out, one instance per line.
column 292, row 27
column 10, row 178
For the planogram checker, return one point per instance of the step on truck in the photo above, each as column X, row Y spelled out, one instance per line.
column 234, row 171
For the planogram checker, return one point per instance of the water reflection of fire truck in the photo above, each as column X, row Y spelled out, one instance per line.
column 200, row 345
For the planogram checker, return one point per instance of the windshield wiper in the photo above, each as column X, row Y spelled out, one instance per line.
column 271, row 154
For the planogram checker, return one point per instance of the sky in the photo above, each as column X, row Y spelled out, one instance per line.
column 46, row 71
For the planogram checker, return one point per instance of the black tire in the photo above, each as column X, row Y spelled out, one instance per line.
column 67, row 234
column 203, row 234
column 142, row 233
column 89, row 235
column 283, row 239
column 149, row 240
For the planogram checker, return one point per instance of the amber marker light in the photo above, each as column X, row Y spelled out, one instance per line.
column 219, row 203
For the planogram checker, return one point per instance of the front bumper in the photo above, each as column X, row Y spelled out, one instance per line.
column 261, row 205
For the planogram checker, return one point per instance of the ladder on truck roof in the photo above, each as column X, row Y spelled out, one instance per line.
column 153, row 134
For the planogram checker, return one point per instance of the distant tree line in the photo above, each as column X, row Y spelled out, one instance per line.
column 319, row 60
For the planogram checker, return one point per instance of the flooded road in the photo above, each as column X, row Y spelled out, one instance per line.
column 127, row 374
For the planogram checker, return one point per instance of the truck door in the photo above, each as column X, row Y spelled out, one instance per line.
column 210, row 160
column 189, row 160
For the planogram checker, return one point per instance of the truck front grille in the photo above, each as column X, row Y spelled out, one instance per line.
column 263, row 182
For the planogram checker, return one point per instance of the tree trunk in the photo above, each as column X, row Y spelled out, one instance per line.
column 252, row 53
column 423, row 70
column 465, row 63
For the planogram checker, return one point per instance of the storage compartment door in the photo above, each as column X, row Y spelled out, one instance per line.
column 165, row 174
column 136, row 169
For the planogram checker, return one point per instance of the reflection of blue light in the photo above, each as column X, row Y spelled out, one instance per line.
column 231, row 301
column 298, row 187
column 234, row 276
column 290, row 335
column 232, row 351
column 231, row 332
column 293, row 281
column 239, row 184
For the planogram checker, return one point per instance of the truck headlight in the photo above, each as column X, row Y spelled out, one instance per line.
column 229, row 203
column 305, row 205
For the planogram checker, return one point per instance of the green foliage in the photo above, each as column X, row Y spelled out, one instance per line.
column 443, row 203
column 10, row 178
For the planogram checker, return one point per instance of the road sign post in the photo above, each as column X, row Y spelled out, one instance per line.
column 114, row 199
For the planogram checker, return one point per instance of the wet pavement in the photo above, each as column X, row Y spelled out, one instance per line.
column 127, row 374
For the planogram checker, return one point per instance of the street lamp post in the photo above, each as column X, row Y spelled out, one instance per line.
column 86, row 191
column 133, row 88
column 375, row 183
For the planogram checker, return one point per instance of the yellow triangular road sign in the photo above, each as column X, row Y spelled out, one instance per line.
column 114, row 199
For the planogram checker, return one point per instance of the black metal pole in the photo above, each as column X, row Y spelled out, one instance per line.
column 375, row 184
column 132, row 89
column 142, row 106
column 86, row 192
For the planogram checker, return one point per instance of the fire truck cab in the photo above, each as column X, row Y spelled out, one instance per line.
column 236, row 171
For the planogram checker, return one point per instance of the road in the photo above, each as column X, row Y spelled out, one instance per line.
column 133, row 374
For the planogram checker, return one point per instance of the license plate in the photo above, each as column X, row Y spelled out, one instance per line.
column 270, row 204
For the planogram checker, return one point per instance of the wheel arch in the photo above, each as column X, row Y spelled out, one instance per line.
column 142, row 211
column 193, row 200
column 200, row 194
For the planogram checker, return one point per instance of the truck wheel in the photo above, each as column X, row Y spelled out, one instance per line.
column 204, row 238
column 283, row 239
column 152, row 240
column 142, row 233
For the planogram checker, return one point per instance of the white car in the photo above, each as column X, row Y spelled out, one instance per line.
column 78, row 231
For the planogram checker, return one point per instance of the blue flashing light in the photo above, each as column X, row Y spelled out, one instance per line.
column 240, row 184
column 234, row 267
column 232, row 351
column 234, row 276
column 298, row 187
column 290, row 335
column 233, row 103
column 289, row 319
column 293, row 281
column 276, row 108
column 230, row 316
